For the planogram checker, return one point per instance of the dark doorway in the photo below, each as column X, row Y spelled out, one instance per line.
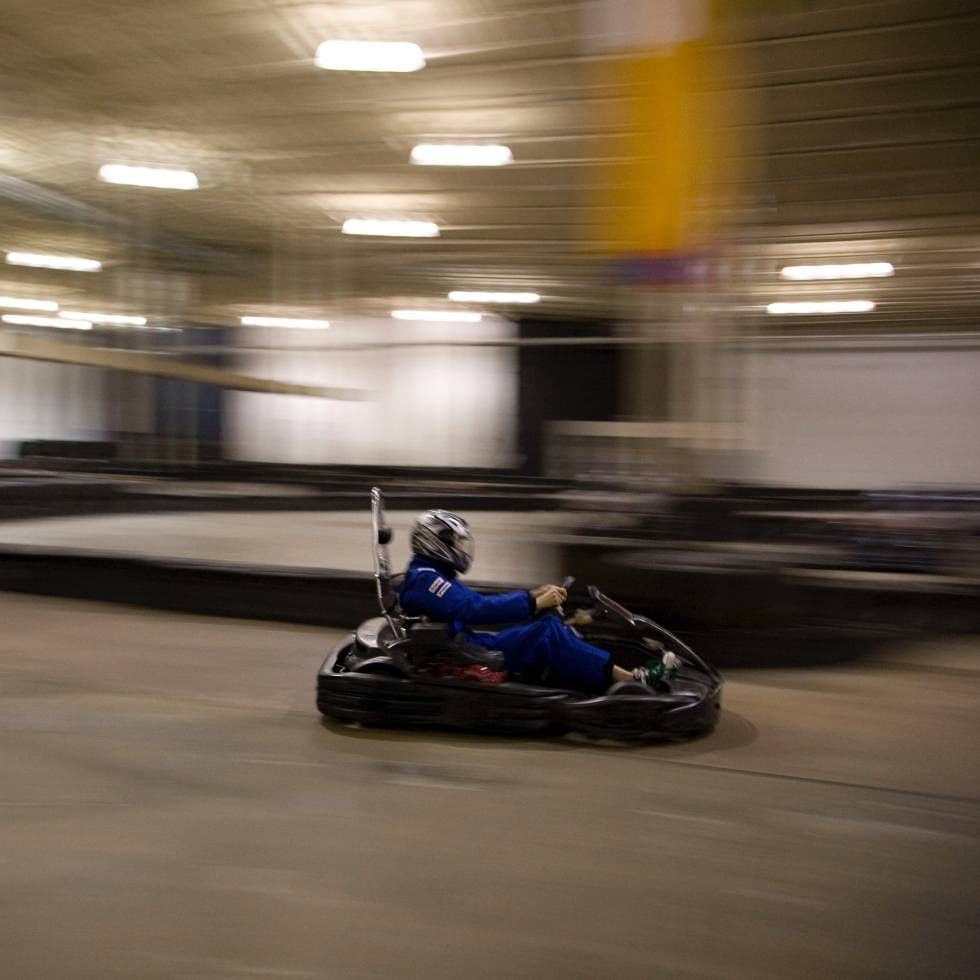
column 576, row 383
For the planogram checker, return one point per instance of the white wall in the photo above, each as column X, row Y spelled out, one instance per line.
column 49, row 401
column 852, row 418
column 428, row 406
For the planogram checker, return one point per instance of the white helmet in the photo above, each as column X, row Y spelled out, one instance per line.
column 443, row 537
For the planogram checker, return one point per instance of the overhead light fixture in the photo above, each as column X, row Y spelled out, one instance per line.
column 851, row 270
column 284, row 321
column 41, row 305
column 437, row 316
column 465, row 296
column 370, row 56
column 45, row 321
column 461, row 155
column 390, row 228
column 113, row 318
column 175, row 180
column 830, row 306
column 40, row 261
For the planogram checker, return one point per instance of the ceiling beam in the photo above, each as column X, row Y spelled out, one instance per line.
column 160, row 365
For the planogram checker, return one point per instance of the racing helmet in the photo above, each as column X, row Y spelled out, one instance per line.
column 444, row 537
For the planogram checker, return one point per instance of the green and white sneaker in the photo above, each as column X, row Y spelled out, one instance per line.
column 658, row 673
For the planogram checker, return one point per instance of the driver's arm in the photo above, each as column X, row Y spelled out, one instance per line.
column 447, row 600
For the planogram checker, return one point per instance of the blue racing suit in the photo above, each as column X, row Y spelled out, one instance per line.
column 543, row 650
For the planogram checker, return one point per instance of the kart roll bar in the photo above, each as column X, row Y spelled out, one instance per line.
column 380, row 538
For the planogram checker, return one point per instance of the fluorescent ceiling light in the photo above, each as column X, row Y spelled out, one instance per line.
column 833, row 306
column 852, row 270
column 45, row 321
column 114, row 318
column 53, row 261
column 436, row 316
column 176, row 180
column 464, row 296
column 284, row 321
column 369, row 56
column 390, row 229
column 461, row 155
column 15, row 303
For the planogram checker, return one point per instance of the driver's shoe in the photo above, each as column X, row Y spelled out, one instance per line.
column 657, row 673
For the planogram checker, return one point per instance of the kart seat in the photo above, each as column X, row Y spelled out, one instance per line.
column 429, row 636
column 433, row 638
column 473, row 655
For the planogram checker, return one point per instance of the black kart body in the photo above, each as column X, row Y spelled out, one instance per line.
column 401, row 671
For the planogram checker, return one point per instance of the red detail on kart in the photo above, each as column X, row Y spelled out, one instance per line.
column 472, row 672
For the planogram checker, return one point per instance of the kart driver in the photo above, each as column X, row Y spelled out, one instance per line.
column 544, row 649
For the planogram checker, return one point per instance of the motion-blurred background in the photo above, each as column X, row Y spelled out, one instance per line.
column 677, row 296
column 706, row 272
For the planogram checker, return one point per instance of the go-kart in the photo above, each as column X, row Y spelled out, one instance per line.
column 397, row 670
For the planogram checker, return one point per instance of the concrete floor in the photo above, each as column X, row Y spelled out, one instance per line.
column 171, row 807
column 510, row 546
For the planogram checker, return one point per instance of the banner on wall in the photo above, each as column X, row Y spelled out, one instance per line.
column 661, row 196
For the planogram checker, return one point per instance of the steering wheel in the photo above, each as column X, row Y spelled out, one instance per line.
column 614, row 609
column 566, row 583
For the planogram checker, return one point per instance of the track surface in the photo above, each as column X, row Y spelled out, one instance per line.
column 171, row 806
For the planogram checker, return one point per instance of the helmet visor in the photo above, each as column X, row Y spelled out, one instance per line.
column 464, row 544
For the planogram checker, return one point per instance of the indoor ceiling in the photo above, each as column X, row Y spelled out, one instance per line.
column 862, row 141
